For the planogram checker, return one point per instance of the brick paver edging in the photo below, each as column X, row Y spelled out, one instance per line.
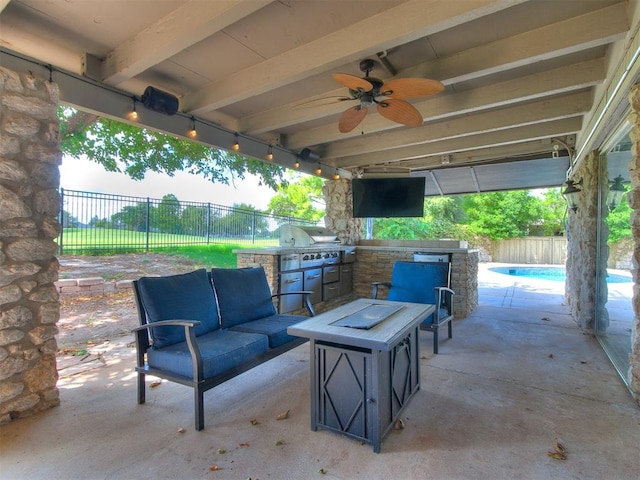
column 93, row 285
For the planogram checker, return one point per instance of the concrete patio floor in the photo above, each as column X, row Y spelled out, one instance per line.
column 517, row 375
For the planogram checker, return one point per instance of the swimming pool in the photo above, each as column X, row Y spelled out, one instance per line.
column 556, row 274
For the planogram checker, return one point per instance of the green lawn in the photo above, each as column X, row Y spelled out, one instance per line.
column 106, row 241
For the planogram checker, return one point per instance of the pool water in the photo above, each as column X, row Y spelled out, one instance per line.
column 551, row 273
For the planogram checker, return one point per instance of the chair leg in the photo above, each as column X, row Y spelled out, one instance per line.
column 199, row 408
column 450, row 328
column 141, row 388
column 435, row 341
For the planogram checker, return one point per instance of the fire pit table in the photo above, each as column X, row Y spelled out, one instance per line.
column 365, row 365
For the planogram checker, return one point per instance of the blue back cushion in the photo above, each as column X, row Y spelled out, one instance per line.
column 178, row 297
column 415, row 281
column 243, row 295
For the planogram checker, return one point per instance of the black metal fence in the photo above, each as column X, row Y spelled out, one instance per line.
column 94, row 222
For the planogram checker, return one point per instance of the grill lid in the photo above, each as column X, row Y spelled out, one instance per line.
column 296, row 236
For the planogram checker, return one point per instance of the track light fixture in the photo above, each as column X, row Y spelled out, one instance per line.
column 236, row 144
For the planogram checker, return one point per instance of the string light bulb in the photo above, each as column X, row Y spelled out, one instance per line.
column 236, row 145
column 269, row 153
column 318, row 170
column 193, row 133
column 133, row 114
column 336, row 175
column 296, row 164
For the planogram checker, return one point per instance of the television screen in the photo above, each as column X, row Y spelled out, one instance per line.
column 388, row 197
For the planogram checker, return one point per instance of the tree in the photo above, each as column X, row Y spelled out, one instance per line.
column 194, row 220
column 502, row 215
column 69, row 221
column 166, row 216
column 618, row 222
column 131, row 217
column 300, row 199
column 120, row 147
column 243, row 221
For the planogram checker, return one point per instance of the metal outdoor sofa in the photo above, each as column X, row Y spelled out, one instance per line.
column 202, row 328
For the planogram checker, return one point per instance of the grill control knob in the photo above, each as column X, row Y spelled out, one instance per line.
column 326, row 255
column 306, row 257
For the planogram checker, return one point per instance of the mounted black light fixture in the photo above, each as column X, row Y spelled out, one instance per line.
column 308, row 154
column 160, row 101
column 571, row 194
column 616, row 190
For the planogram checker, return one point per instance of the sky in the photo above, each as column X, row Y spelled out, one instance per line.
column 88, row 176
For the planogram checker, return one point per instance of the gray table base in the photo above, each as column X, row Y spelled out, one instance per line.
column 361, row 392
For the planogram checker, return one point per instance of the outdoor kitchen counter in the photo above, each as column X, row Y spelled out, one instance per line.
column 288, row 250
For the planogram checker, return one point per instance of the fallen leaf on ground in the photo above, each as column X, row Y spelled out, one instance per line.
column 550, row 355
column 558, row 446
column 181, row 430
column 222, row 451
column 557, row 455
column 283, row 415
column 243, row 444
column 155, row 384
column 322, row 471
column 398, row 424
column 279, row 443
column 214, row 468
column 254, row 421
column 546, row 319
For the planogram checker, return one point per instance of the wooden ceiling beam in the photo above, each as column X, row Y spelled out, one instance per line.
column 400, row 24
column 183, row 27
column 555, row 108
column 547, row 83
column 412, row 156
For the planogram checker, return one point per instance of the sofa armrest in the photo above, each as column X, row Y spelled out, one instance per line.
column 378, row 284
column 305, row 297
column 192, row 344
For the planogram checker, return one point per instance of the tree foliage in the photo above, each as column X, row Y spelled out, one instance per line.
column 502, row 215
column 132, row 150
column 300, row 199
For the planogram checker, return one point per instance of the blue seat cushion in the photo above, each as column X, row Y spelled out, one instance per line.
column 221, row 350
column 274, row 327
column 416, row 281
column 243, row 295
column 187, row 296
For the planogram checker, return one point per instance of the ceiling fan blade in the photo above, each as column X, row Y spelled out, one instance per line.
column 321, row 101
column 352, row 82
column 400, row 111
column 351, row 118
column 411, row 87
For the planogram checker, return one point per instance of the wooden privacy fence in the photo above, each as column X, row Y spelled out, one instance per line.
column 536, row 250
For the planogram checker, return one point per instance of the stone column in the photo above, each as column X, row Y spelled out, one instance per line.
column 633, row 197
column 339, row 207
column 29, row 206
column 582, row 247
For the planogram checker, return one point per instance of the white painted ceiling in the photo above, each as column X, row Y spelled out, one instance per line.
column 525, row 80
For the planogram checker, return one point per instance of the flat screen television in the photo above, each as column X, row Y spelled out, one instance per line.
column 388, row 197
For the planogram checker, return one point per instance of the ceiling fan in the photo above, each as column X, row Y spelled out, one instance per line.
column 388, row 97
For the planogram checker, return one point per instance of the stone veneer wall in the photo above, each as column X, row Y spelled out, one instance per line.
column 339, row 211
column 633, row 197
column 375, row 265
column 582, row 260
column 29, row 206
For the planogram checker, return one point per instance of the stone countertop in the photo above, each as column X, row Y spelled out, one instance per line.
column 394, row 248
column 287, row 250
